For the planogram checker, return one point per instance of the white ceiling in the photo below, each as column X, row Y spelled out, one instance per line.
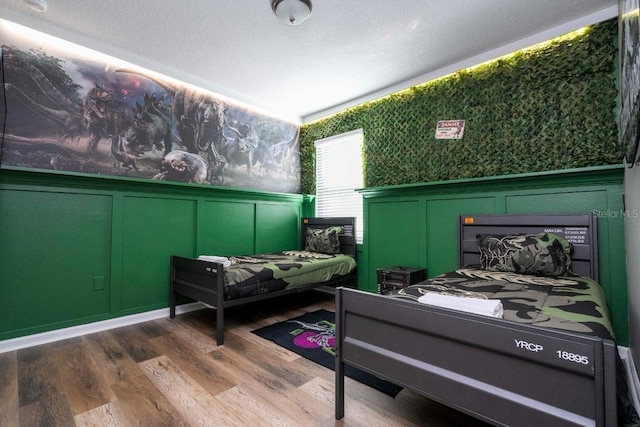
column 348, row 52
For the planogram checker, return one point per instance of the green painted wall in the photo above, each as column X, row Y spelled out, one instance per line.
column 76, row 249
column 416, row 225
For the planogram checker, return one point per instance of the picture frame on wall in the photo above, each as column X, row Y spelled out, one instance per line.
column 629, row 48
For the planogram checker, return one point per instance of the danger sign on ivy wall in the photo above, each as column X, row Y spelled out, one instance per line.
column 450, row 129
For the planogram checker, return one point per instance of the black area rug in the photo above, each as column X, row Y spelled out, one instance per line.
column 312, row 336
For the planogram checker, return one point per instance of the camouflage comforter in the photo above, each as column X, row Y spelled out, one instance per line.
column 575, row 304
column 258, row 274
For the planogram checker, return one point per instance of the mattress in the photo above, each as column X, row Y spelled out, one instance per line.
column 257, row 274
column 571, row 303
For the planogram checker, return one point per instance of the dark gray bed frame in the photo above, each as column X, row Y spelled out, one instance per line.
column 204, row 281
column 502, row 372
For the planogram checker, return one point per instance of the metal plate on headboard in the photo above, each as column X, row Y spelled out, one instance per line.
column 579, row 229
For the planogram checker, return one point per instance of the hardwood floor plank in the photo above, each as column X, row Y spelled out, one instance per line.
column 242, row 370
column 355, row 412
column 195, row 364
column 144, row 405
column 295, row 402
column 114, row 362
column 9, row 404
column 76, row 368
column 52, row 410
column 417, row 407
column 278, row 367
column 190, row 336
column 135, row 342
column 263, row 345
column 313, row 369
column 201, row 320
column 37, row 374
column 193, row 402
column 154, row 328
column 254, row 409
column 107, row 415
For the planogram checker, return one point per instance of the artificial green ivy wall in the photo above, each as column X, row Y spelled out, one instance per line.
column 547, row 108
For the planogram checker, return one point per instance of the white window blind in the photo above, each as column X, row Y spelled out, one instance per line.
column 338, row 174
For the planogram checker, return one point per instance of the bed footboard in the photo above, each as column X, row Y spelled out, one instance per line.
column 502, row 372
column 202, row 281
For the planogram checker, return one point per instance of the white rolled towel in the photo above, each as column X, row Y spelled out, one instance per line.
column 213, row 258
column 486, row 307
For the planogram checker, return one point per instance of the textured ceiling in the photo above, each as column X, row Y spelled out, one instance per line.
column 347, row 52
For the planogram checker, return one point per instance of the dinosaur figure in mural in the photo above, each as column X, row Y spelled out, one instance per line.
column 36, row 91
column 239, row 150
column 283, row 151
column 105, row 118
column 199, row 120
column 151, row 126
column 182, row 166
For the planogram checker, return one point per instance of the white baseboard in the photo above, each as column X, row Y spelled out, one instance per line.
column 89, row 328
column 632, row 376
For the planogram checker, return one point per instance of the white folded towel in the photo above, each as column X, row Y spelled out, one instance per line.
column 219, row 259
column 486, row 307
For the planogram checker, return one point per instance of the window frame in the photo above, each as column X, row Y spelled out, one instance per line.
column 354, row 203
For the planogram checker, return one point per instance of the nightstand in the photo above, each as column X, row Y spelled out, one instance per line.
column 398, row 277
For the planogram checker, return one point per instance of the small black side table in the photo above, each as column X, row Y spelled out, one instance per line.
column 398, row 277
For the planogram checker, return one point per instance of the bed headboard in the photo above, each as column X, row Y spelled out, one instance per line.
column 581, row 230
column 347, row 237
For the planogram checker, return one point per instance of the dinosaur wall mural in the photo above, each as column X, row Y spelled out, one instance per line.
column 70, row 113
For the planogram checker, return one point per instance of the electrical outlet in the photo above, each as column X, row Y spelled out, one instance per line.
column 98, row 283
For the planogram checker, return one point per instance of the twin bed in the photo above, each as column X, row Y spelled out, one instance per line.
column 326, row 257
column 550, row 360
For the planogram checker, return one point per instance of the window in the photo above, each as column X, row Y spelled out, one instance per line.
column 338, row 174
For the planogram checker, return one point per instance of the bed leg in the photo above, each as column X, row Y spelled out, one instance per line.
column 220, row 304
column 339, row 387
column 172, row 295
column 219, row 325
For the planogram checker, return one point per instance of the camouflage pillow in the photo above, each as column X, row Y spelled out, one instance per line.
column 321, row 240
column 542, row 254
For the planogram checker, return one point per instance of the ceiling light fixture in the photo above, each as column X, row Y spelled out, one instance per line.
column 37, row 5
column 292, row 12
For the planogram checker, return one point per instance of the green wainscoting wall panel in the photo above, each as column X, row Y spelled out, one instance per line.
column 402, row 244
column 280, row 227
column 78, row 248
column 52, row 246
column 416, row 225
column 442, row 223
column 228, row 228
column 154, row 229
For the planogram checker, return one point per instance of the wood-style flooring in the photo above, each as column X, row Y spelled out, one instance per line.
column 171, row 373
